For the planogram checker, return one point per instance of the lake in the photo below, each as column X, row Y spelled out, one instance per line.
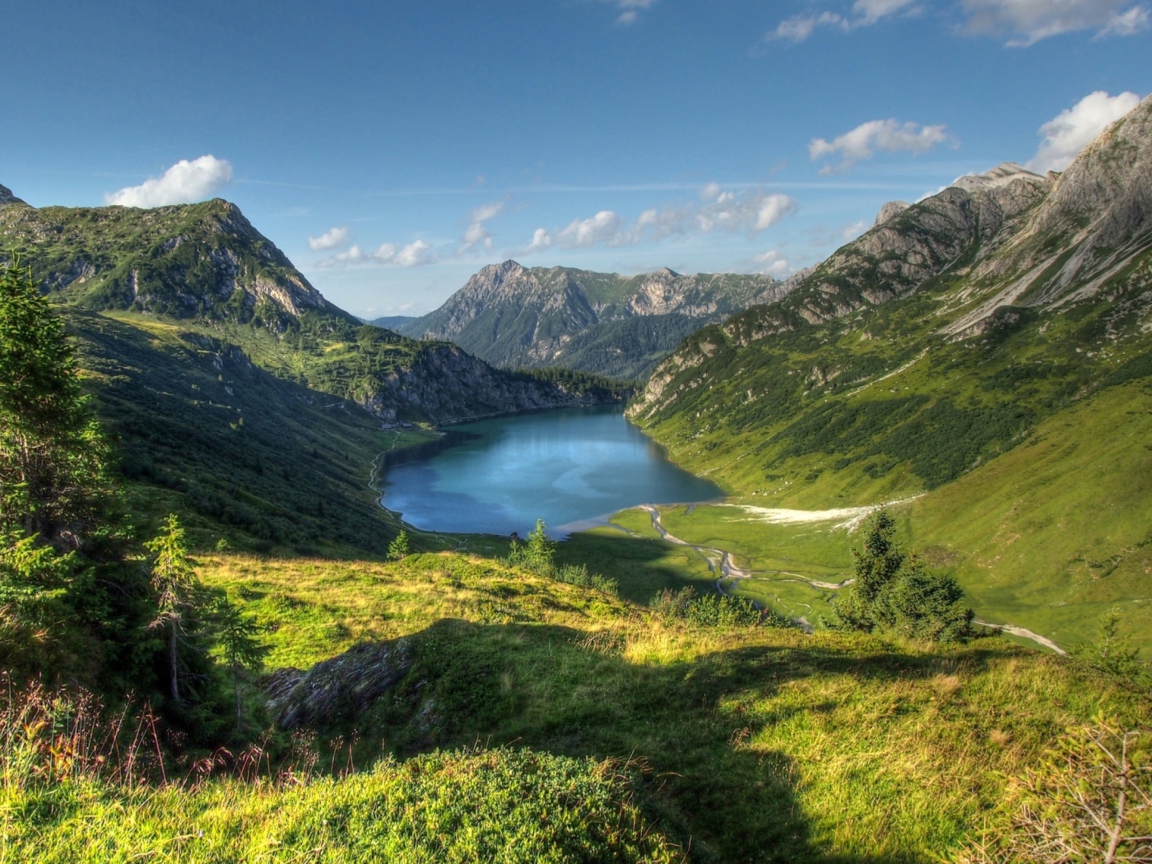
column 567, row 467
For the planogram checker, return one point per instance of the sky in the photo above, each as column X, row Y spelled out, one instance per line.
column 392, row 149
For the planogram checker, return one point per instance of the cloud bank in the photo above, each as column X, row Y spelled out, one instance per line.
column 718, row 209
column 414, row 254
column 184, row 183
column 890, row 136
column 1070, row 131
column 1020, row 22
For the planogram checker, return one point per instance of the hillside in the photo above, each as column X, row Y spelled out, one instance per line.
column 514, row 317
column 711, row 743
column 957, row 336
column 233, row 384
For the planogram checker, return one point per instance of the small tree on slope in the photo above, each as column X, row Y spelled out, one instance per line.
column 175, row 584
column 894, row 591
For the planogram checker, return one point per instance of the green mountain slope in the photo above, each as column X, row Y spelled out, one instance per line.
column 234, row 385
column 512, row 316
column 942, row 341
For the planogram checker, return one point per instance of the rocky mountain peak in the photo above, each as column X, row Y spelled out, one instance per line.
column 6, row 197
column 889, row 211
column 1001, row 175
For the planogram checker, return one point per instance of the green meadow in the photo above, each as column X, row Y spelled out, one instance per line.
column 604, row 733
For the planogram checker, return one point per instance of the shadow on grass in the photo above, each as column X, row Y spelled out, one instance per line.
column 689, row 722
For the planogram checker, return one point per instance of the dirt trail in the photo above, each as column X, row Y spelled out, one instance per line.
column 718, row 558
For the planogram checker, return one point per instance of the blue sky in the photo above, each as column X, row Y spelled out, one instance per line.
column 392, row 149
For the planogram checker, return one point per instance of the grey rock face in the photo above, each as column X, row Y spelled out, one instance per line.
column 446, row 384
column 1007, row 240
column 186, row 261
column 889, row 211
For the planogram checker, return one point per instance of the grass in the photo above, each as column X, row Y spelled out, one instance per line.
column 764, row 744
column 501, row 806
column 606, row 732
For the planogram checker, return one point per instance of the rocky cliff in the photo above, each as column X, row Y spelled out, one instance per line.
column 206, row 269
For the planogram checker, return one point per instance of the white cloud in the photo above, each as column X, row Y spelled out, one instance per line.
column 412, row 255
column 871, row 11
column 772, row 263
column 630, row 9
column 330, row 239
column 541, row 239
column 604, row 227
column 867, row 12
column 1127, row 23
column 1026, row 22
column 724, row 210
column 1074, row 128
column 349, row 256
column 891, row 136
column 476, row 232
column 800, row 27
column 183, row 183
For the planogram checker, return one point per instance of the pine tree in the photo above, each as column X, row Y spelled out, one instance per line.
column 53, row 454
column 175, row 584
column 236, row 634
column 400, row 547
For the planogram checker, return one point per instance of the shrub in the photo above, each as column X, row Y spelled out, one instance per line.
column 711, row 610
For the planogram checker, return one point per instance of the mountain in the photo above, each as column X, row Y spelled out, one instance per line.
column 232, row 383
column 517, row 317
column 391, row 322
column 981, row 323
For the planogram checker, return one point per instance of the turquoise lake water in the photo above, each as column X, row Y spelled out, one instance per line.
column 565, row 467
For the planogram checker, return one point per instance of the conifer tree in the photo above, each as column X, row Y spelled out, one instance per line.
column 175, row 584
column 237, row 635
column 400, row 547
column 53, row 454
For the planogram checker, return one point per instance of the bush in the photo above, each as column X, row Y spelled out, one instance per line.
column 711, row 610
column 536, row 554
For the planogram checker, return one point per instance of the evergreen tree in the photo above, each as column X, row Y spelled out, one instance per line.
column 400, row 547
column 237, row 635
column 176, row 586
column 896, row 592
column 881, row 558
column 53, row 454
column 72, row 602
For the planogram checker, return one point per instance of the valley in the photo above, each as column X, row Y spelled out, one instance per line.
column 872, row 539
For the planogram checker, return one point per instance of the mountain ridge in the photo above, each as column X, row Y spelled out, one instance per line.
column 514, row 316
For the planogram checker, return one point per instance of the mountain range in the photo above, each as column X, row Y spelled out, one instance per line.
column 518, row 317
column 986, row 352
